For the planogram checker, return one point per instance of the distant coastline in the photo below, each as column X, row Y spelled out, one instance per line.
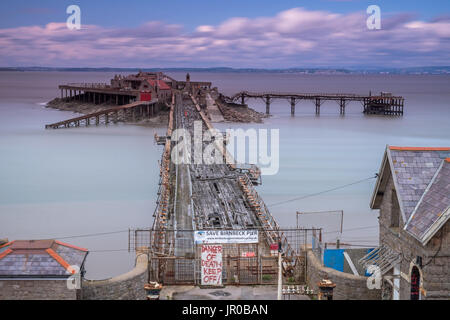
column 436, row 70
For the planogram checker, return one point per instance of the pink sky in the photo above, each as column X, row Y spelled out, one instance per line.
column 292, row 38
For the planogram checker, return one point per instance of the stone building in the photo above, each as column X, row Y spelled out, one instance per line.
column 413, row 195
column 149, row 84
column 40, row 269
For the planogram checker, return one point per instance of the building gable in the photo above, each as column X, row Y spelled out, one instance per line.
column 414, row 171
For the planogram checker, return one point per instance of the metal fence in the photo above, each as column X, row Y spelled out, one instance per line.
column 243, row 263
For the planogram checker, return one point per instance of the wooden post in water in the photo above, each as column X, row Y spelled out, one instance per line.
column 317, row 106
column 292, row 106
column 342, row 106
column 267, row 105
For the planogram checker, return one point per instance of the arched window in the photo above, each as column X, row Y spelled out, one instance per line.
column 415, row 284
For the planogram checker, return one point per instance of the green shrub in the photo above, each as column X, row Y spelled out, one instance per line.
column 267, row 277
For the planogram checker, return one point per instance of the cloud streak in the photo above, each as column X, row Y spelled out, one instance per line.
column 291, row 38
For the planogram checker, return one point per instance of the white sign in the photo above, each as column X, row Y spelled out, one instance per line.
column 225, row 236
column 211, row 265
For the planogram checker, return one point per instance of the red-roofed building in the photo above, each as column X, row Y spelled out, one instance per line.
column 41, row 269
column 150, row 85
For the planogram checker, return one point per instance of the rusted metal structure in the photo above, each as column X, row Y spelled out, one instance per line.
column 383, row 104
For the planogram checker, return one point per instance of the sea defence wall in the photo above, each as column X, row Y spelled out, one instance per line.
column 127, row 286
column 348, row 286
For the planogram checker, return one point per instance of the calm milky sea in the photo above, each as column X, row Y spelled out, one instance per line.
column 69, row 182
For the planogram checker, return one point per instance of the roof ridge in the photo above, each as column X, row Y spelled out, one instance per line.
column 419, row 148
column 5, row 253
column 70, row 246
column 60, row 260
column 7, row 244
column 419, row 203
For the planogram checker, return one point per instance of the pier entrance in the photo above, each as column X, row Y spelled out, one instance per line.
column 240, row 264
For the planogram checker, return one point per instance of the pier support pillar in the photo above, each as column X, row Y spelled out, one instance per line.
column 267, row 105
column 292, row 106
column 242, row 99
column 317, row 106
column 61, row 94
column 342, row 106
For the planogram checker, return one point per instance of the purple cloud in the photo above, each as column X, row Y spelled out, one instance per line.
column 295, row 37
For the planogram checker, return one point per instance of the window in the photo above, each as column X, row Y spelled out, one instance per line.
column 395, row 210
column 415, row 284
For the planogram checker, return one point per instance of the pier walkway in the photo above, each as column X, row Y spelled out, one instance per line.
column 202, row 194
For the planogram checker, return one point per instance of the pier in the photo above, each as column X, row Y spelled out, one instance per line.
column 201, row 196
column 97, row 93
column 383, row 104
column 133, row 111
column 207, row 195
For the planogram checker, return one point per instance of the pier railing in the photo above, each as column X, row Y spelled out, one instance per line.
column 270, row 226
column 92, row 85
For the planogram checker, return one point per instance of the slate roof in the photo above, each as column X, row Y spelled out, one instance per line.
column 433, row 208
column 421, row 181
column 413, row 169
column 39, row 258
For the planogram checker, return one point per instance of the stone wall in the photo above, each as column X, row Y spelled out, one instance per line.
column 348, row 286
column 128, row 286
column 435, row 273
column 36, row 290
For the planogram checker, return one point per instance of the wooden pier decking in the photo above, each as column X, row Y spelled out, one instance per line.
column 134, row 110
column 383, row 104
column 207, row 196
